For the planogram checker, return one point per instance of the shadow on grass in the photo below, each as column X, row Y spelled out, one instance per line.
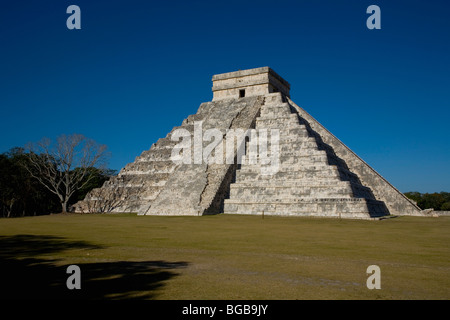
column 25, row 275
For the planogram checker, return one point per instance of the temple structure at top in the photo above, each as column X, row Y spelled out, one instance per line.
column 248, row 83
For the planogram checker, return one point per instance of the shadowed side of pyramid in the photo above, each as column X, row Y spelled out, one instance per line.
column 311, row 180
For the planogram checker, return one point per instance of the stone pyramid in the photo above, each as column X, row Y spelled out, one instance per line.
column 313, row 173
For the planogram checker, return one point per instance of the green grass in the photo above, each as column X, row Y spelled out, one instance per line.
column 225, row 257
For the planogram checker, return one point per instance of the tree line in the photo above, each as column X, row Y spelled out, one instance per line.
column 436, row 201
column 48, row 177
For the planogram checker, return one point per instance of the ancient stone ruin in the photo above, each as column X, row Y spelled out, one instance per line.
column 313, row 173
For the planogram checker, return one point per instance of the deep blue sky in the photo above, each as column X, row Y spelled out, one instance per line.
column 138, row 68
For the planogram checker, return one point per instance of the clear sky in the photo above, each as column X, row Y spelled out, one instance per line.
column 136, row 69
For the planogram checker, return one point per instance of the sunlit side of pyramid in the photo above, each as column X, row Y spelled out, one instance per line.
column 316, row 174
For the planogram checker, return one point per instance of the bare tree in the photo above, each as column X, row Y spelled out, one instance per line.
column 63, row 167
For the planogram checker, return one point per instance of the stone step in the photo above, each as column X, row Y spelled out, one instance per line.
column 312, row 183
column 291, row 157
column 273, row 109
column 306, row 156
column 116, row 206
column 285, row 150
column 116, row 192
column 298, row 201
column 298, row 131
column 330, row 172
column 153, row 179
column 298, row 146
column 282, row 192
column 279, row 123
column 125, row 193
column 315, row 167
column 187, row 126
column 290, row 160
column 311, row 153
column 294, row 136
column 274, row 98
column 147, row 167
column 283, row 164
column 164, row 143
column 156, row 155
column 293, row 140
column 277, row 116
column 194, row 117
column 285, row 136
column 292, row 133
column 276, row 123
column 278, row 126
column 358, row 190
column 295, row 161
column 297, row 136
column 330, row 207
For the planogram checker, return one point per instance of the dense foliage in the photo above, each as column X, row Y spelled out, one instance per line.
column 436, row 201
column 23, row 195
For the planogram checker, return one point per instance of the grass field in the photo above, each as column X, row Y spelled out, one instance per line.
column 224, row 257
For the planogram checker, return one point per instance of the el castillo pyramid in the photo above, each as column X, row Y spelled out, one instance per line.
column 313, row 173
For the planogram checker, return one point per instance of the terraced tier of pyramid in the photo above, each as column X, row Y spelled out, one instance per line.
column 314, row 174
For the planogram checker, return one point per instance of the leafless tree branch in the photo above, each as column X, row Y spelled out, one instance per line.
column 63, row 167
